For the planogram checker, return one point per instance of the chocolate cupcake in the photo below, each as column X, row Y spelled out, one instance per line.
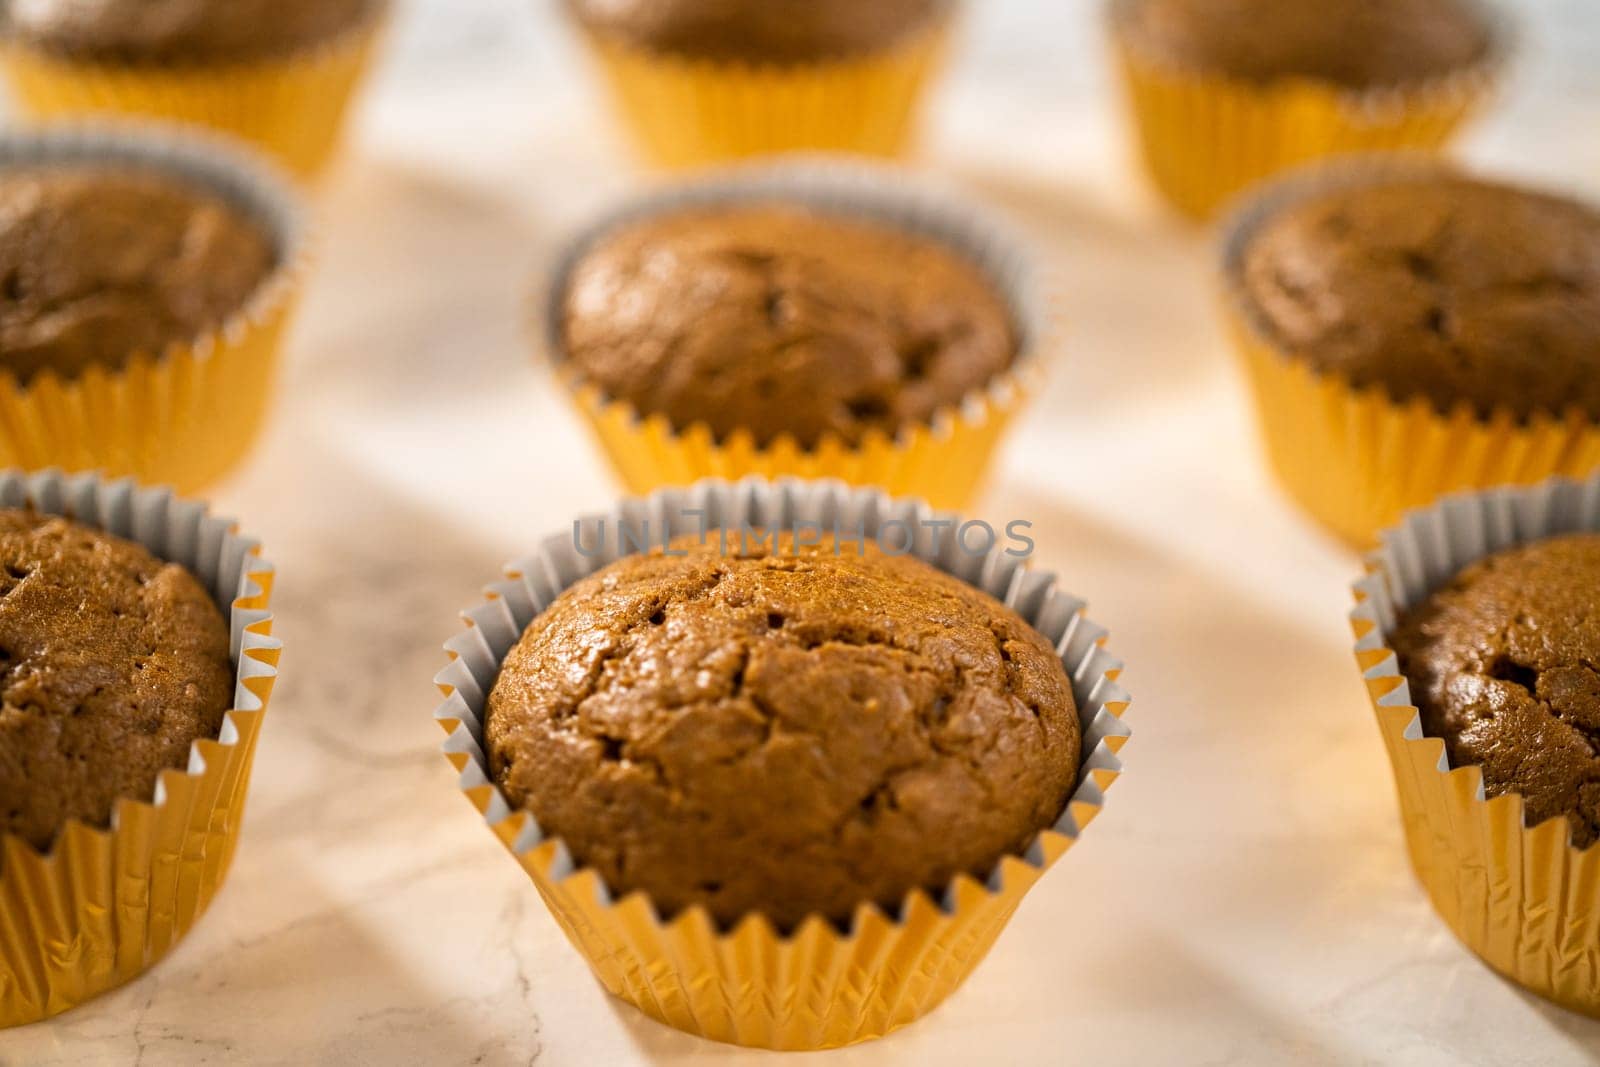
column 705, row 81
column 1225, row 93
column 138, row 659
column 1479, row 639
column 1411, row 331
column 791, row 730
column 279, row 73
column 785, row 776
column 782, row 320
column 98, row 265
column 115, row 664
column 803, row 318
column 1504, row 664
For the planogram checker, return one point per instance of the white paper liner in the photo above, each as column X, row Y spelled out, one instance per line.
column 178, row 531
column 852, row 189
column 1432, row 545
column 533, row 582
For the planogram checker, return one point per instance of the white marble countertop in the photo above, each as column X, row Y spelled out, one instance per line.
column 1244, row 897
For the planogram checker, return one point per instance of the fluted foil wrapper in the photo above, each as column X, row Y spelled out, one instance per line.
column 293, row 106
column 683, row 111
column 187, row 416
column 106, row 903
column 944, row 460
column 817, row 986
column 1522, row 898
column 1355, row 458
column 1205, row 137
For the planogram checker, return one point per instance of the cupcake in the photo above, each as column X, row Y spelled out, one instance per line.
column 1411, row 330
column 782, row 775
column 1477, row 631
column 280, row 73
column 817, row 322
column 144, row 281
column 129, row 724
column 1225, row 93
column 702, row 81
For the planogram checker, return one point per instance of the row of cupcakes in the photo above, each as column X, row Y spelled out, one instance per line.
column 1409, row 329
column 1222, row 94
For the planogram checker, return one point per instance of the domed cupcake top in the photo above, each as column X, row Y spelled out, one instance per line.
column 782, row 320
column 179, row 31
column 783, row 729
column 775, row 31
column 98, row 264
column 1504, row 665
column 1356, row 44
column 112, row 663
column 1438, row 286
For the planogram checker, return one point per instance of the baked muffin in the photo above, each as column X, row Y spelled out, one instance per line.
column 180, row 31
column 1504, row 665
column 758, row 31
column 782, row 320
column 97, row 265
column 1436, row 285
column 114, row 663
column 782, row 729
column 1355, row 44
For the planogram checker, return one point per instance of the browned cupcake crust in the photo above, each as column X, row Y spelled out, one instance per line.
column 180, row 31
column 99, row 265
column 1442, row 287
column 1504, row 663
column 777, row 320
column 1355, row 44
column 112, row 663
column 758, row 31
column 786, row 732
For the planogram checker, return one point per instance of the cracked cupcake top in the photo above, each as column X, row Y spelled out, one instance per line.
column 1442, row 287
column 97, row 265
column 1357, row 44
column 783, row 731
column 179, row 31
column 780, row 320
column 112, row 663
column 1504, row 664
column 758, row 31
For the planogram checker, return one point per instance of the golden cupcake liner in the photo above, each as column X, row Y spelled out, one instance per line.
column 818, row 986
column 293, row 106
column 1204, row 137
column 106, row 903
column 1522, row 898
column 942, row 461
column 1356, row 458
column 685, row 111
column 186, row 416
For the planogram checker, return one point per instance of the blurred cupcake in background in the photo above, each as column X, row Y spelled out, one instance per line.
column 1225, row 93
column 815, row 320
column 701, row 81
column 146, row 277
column 280, row 73
column 1410, row 330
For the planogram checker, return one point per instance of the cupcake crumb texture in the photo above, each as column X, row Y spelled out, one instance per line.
column 787, row 731
column 761, row 31
column 1504, row 664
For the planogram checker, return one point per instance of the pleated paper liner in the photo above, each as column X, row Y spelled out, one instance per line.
column 107, row 903
column 293, row 105
column 1356, row 458
column 187, row 416
column 944, row 460
column 1204, row 137
column 684, row 111
column 1522, row 898
column 818, row 986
